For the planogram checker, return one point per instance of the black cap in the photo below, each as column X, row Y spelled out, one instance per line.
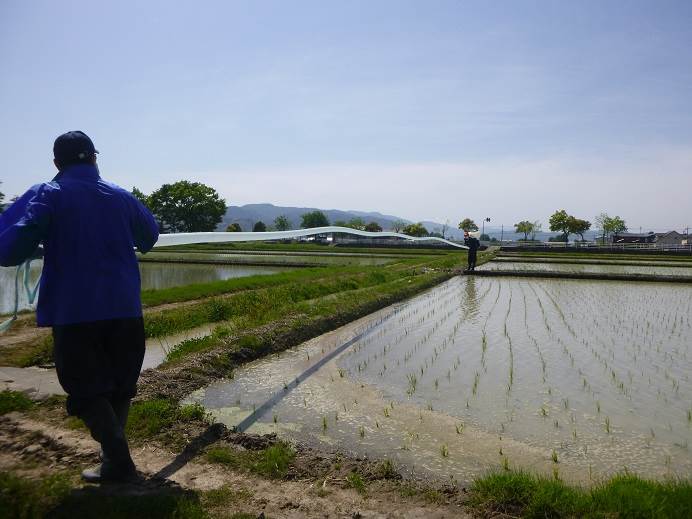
column 73, row 147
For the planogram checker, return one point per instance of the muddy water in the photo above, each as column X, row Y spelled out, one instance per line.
column 154, row 276
column 481, row 373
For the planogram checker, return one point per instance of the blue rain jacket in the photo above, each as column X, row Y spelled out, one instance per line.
column 89, row 229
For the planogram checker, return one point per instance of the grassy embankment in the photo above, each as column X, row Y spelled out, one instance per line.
column 248, row 300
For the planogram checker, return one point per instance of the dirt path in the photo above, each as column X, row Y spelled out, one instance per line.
column 32, row 448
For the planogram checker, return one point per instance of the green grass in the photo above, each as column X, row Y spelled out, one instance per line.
column 149, row 418
column 272, row 462
column 14, row 401
column 355, row 481
column 42, row 353
column 190, row 292
column 56, row 497
column 623, row 496
column 189, row 346
column 60, row 496
column 24, row 499
column 224, row 496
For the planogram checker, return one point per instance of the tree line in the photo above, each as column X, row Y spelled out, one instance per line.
column 564, row 223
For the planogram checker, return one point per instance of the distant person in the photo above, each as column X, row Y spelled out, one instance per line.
column 90, row 290
column 473, row 244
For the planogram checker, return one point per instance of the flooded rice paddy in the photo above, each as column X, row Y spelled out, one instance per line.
column 666, row 269
column 580, row 379
column 155, row 276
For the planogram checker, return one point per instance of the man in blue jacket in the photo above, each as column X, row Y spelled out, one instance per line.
column 89, row 291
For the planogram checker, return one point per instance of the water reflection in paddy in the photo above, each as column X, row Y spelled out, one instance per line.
column 484, row 372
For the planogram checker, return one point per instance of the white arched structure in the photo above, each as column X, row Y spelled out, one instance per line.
column 187, row 238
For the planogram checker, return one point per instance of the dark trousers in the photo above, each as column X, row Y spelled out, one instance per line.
column 472, row 259
column 100, row 359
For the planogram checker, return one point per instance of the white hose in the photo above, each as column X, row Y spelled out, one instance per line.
column 187, row 238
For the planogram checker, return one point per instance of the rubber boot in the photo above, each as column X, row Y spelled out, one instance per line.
column 105, row 428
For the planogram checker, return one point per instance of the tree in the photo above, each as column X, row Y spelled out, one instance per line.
column 603, row 223
column 524, row 226
column 373, row 227
column 485, row 237
column 234, row 227
column 468, row 225
column 2, row 197
column 560, row 222
column 415, row 229
column 537, row 226
column 314, row 219
column 398, row 225
column 578, row 226
column 187, row 207
column 259, row 227
column 356, row 223
column 609, row 225
column 617, row 225
column 281, row 223
column 140, row 196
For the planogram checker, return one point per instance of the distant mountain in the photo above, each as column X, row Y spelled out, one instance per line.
column 247, row 215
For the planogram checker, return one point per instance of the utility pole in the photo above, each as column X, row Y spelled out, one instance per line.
column 483, row 226
column 502, row 234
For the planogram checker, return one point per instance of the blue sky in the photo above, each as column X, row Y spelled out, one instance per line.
column 429, row 110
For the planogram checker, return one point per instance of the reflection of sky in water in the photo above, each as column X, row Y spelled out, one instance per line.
column 614, row 392
column 154, row 276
